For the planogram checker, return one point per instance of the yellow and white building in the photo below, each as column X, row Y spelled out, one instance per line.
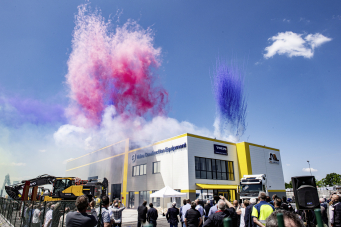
column 200, row 166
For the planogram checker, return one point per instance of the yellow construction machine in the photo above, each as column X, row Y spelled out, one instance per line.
column 63, row 188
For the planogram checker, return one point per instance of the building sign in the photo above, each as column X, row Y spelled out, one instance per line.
column 160, row 151
column 273, row 158
column 219, row 149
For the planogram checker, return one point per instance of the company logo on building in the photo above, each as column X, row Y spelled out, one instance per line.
column 160, row 151
column 219, row 149
column 133, row 158
column 273, row 159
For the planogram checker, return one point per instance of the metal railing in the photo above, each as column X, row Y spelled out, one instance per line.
column 31, row 214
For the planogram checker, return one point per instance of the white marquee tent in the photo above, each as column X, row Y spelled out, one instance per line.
column 167, row 192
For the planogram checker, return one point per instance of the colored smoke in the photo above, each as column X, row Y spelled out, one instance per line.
column 17, row 110
column 228, row 87
column 112, row 67
column 116, row 127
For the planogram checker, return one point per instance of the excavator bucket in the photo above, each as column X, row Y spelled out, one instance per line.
column 13, row 193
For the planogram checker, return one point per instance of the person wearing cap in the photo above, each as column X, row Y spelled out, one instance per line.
column 172, row 215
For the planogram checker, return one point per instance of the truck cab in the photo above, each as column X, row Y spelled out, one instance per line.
column 251, row 185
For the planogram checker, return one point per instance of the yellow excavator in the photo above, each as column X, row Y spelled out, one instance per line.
column 63, row 188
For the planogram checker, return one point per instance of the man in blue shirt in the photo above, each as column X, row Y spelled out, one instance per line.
column 199, row 208
column 213, row 209
column 274, row 196
column 105, row 222
column 180, row 213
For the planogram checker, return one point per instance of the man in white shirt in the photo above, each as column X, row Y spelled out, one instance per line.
column 36, row 216
column 48, row 217
column 184, row 210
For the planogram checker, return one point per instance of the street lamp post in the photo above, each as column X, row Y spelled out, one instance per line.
column 309, row 167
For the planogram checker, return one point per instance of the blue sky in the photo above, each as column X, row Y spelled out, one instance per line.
column 293, row 102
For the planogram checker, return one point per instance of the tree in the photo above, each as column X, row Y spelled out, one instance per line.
column 319, row 183
column 332, row 179
column 288, row 185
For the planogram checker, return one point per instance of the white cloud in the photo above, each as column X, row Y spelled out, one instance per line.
column 308, row 170
column 21, row 178
column 288, row 164
column 286, row 20
column 13, row 164
column 337, row 17
column 42, row 151
column 293, row 45
column 316, row 40
column 302, row 19
column 116, row 128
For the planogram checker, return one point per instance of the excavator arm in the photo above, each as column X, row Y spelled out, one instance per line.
column 13, row 191
column 65, row 188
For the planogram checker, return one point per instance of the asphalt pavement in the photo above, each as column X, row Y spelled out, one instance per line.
column 129, row 219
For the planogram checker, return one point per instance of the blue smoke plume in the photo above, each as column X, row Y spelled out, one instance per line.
column 228, row 88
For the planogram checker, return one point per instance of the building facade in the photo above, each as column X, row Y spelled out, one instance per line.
column 202, row 167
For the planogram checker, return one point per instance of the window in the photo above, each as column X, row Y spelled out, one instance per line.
column 156, row 200
column 206, row 168
column 177, row 199
column 144, row 195
column 140, row 170
column 230, row 171
column 156, row 167
column 131, row 203
column 93, row 179
column 59, row 186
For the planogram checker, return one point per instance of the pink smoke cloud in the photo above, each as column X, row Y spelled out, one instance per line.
column 113, row 67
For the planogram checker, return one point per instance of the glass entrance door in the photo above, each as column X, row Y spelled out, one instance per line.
column 131, row 202
column 116, row 192
column 226, row 195
column 223, row 192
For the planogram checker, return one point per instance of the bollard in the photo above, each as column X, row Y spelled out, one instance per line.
column 227, row 222
column 280, row 220
column 318, row 217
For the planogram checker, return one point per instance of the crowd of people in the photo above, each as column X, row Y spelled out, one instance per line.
column 39, row 216
column 247, row 214
column 251, row 213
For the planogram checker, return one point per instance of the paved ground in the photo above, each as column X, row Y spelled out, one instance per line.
column 3, row 223
column 130, row 219
column 160, row 223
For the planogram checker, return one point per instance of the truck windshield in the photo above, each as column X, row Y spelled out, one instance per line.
column 251, row 187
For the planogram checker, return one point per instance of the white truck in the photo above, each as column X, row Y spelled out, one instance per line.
column 251, row 185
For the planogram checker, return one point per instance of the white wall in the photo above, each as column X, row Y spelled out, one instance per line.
column 204, row 148
column 174, row 164
column 261, row 165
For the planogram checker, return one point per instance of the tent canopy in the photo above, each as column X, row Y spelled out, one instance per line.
column 167, row 192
